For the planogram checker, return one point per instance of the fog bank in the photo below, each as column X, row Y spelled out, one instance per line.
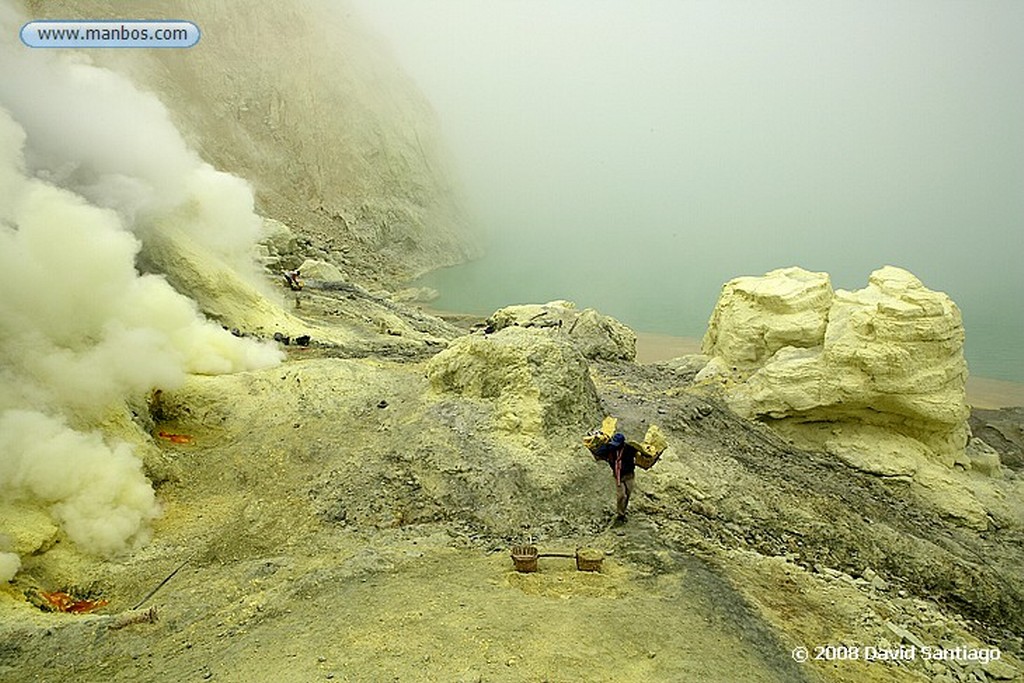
column 656, row 149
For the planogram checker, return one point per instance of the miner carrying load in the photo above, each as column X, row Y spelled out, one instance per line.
column 624, row 456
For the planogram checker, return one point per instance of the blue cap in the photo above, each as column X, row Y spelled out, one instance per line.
column 618, row 439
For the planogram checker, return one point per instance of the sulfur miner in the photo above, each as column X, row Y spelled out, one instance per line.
column 623, row 457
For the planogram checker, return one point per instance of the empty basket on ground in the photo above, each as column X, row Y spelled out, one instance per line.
column 524, row 557
column 589, row 559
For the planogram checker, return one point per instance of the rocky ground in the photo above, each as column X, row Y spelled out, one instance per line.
column 340, row 518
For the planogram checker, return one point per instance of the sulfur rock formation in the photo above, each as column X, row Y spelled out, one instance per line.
column 596, row 336
column 757, row 316
column 537, row 383
column 875, row 376
column 314, row 269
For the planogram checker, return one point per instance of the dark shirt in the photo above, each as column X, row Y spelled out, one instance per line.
column 608, row 453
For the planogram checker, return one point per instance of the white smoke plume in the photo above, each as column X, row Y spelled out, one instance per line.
column 101, row 497
column 88, row 166
column 10, row 563
column 91, row 131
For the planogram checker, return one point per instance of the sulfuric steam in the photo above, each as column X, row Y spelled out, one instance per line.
column 91, row 171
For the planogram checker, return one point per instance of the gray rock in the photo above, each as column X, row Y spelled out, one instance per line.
column 596, row 336
column 876, row 581
column 999, row 670
column 983, row 458
column 537, row 382
column 904, row 635
column 687, row 366
column 313, row 269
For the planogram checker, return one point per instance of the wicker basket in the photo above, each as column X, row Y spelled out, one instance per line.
column 645, row 460
column 589, row 559
column 524, row 557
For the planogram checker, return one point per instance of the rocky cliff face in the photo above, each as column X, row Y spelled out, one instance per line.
column 297, row 98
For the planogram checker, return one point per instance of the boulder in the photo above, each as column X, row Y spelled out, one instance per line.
column 601, row 337
column 891, row 355
column 888, row 355
column 596, row 336
column 876, row 376
column 313, row 269
column 757, row 316
column 557, row 313
column 537, row 383
column 278, row 239
column 983, row 458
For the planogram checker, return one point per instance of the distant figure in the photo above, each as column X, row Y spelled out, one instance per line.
column 621, row 457
column 291, row 278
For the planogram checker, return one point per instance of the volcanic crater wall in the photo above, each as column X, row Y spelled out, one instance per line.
column 302, row 101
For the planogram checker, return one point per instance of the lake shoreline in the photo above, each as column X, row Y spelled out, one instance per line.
column 653, row 347
column 982, row 392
